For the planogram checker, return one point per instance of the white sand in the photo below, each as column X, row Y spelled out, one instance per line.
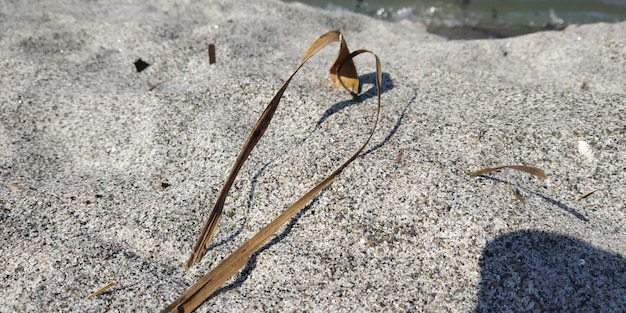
column 85, row 148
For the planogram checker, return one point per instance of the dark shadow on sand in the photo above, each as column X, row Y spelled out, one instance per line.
column 545, row 198
column 251, row 265
column 367, row 79
column 394, row 129
column 535, row 271
column 253, row 185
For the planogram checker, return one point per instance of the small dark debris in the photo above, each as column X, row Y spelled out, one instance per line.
column 211, row 52
column 88, row 202
column 141, row 65
column 162, row 185
column 505, row 54
column 98, row 196
column 73, row 198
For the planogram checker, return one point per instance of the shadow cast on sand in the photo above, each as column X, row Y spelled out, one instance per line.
column 545, row 198
column 535, row 271
column 239, row 230
column 251, row 265
column 366, row 79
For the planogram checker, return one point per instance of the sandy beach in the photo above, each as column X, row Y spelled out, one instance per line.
column 108, row 174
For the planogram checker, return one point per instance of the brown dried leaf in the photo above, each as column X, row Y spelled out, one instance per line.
column 210, row 226
column 528, row 169
column 345, row 74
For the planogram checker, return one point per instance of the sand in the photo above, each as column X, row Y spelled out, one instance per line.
column 107, row 174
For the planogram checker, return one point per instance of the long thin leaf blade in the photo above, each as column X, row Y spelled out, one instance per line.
column 209, row 283
column 210, row 226
column 528, row 169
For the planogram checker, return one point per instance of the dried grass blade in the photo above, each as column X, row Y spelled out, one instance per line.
column 210, row 226
column 343, row 72
column 208, row 284
column 101, row 290
column 587, row 195
column 528, row 169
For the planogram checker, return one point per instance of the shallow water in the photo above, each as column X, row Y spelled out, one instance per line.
column 464, row 19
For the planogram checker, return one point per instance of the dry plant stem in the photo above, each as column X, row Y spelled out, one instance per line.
column 587, row 195
column 209, row 283
column 211, row 53
column 528, row 169
column 159, row 84
column 101, row 290
column 210, row 226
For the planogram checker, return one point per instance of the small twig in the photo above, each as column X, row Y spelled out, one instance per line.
column 587, row 195
column 101, row 290
column 159, row 84
column 211, row 53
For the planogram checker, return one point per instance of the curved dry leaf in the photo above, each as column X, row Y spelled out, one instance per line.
column 345, row 74
column 528, row 169
column 343, row 64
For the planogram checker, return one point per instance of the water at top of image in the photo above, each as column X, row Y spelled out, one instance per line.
column 468, row 19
